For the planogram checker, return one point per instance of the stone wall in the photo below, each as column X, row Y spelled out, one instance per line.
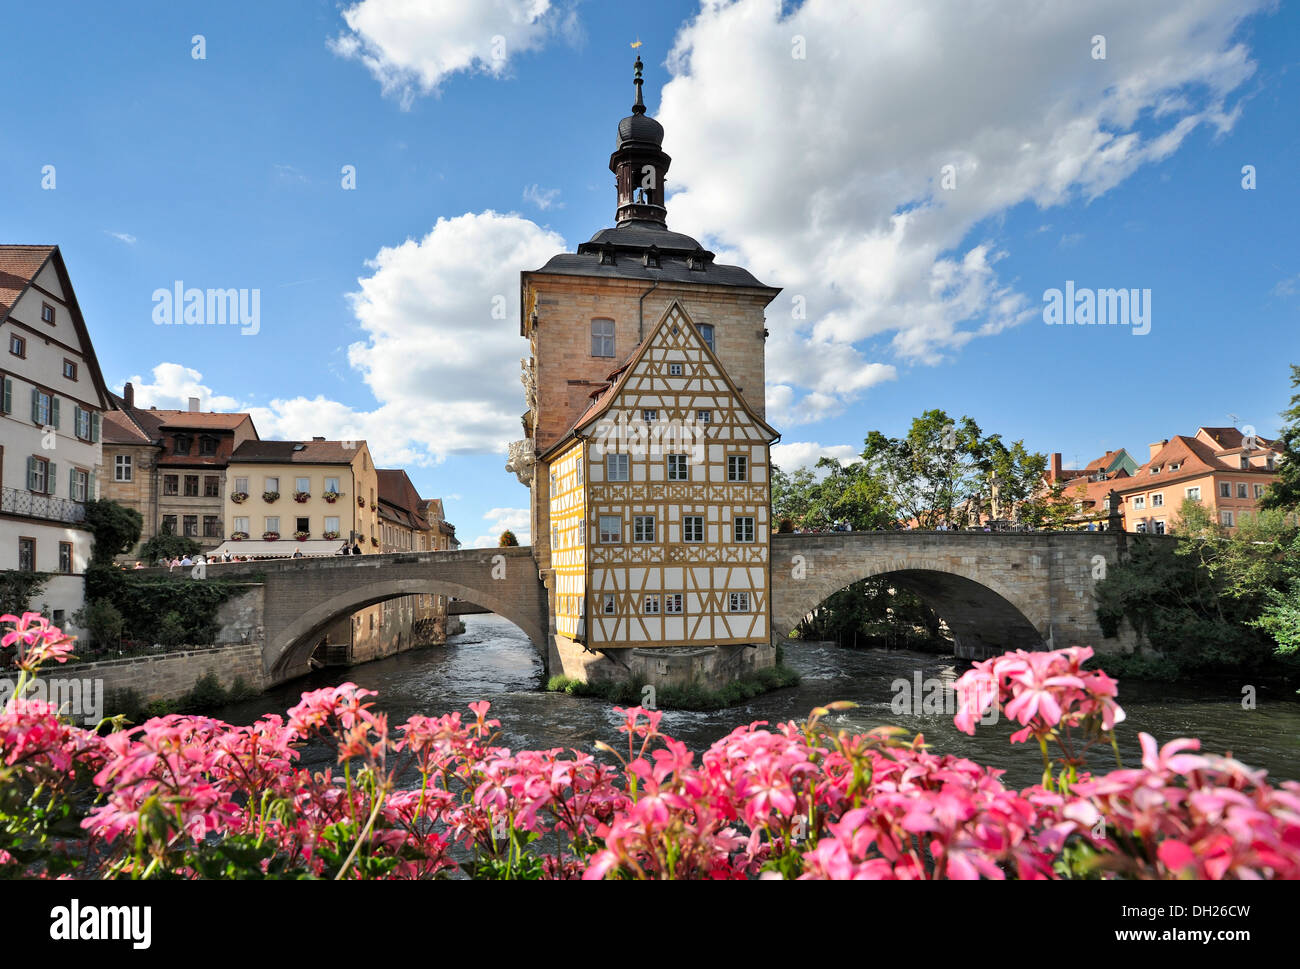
column 169, row 676
column 708, row 667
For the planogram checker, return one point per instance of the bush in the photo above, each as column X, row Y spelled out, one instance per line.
column 102, row 620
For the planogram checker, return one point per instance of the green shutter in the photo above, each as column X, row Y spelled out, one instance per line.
column 72, row 483
column 36, row 406
column 9, row 396
column 51, row 477
column 31, row 474
column 91, row 493
column 94, row 428
column 54, row 411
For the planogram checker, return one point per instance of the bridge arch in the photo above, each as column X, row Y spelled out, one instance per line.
column 985, row 617
column 285, row 653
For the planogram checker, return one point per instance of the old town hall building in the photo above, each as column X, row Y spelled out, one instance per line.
column 645, row 445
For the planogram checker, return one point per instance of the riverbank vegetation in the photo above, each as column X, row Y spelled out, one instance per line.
column 192, row 797
column 693, row 697
column 1220, row 599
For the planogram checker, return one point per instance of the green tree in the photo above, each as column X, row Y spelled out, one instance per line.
column 116, row 529
column 168, row 545
column 1285, row 492
column 19, row 588
column 941, row 464
column 507, row 540
column 103, row 621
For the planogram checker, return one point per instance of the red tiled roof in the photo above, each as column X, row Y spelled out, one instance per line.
column 18, row 267
column 118, row 428
column 398, row 499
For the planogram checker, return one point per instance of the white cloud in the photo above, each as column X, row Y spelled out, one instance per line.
column 122, row 237
column 172, row 387
column 441, row 352
column 543, row 198
column 806, row 454
column 514, row 519
column 823, row 174
column 412, row 47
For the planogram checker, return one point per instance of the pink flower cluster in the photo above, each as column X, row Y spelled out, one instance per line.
column 193, row 796
column 37, row 641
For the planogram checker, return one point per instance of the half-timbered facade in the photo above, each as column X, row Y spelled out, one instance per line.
column 659, row 504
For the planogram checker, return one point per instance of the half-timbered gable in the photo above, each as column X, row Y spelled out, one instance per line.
column 676, row 501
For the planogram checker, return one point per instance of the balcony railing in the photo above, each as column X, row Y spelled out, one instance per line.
column 16, row 501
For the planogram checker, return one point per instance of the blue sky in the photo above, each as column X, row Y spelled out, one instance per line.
column 821, row 173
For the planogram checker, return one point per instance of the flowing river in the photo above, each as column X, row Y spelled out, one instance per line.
column 493, row 660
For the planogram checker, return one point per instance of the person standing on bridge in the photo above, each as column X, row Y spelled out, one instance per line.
column 344, row 550
column 356, row 549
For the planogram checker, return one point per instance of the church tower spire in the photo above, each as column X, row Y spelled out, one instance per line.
column 640, row 165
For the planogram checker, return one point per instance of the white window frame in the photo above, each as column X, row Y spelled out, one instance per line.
column 271, row 484
column 650, row 605
column 678, row 467
column 1139, row 502
column 738, row 602
column 122, row 469
column 616, row 531
column 689, row 522
column 643, row 529
column 1159, row 526
column 238, row 526
column 1158, row 500
column 297, row 484
column 618, row 467
column 737, row 467
column 334, row 527
column 607, row 606
column 1195, row 497
column 674, row 370
column 605, row 346
column 742, row 526
column 268, row 526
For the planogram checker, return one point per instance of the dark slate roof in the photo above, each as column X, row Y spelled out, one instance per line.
column 638, row 127
column 295, row 452
column 630, row 243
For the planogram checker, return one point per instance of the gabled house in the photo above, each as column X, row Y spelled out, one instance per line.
column 50, row 425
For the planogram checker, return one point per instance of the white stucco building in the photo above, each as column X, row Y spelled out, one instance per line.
column 50, row 414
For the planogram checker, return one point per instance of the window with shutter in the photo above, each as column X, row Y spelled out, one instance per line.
column 54, row 412
column 94, row 428
column 9, row 396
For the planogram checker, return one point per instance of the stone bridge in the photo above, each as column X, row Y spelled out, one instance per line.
column 996, row 590
column 301, row 597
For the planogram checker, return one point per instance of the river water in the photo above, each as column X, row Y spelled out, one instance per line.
column 493, row 660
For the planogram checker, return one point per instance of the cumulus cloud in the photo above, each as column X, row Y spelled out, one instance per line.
column 812, row 144
column 514, row 519
column 441, row 352
column 805, row 454
column 126, row 237
column 411, row 48
column 173, row 385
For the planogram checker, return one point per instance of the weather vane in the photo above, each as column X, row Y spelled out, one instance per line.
column 637, row 43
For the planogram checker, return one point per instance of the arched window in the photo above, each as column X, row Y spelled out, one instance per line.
column 602, row 338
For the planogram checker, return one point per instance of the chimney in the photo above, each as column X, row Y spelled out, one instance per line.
column 318, row 438
column 194, row 405
column 1155, row 448
column 1056, row 465
column 128, row 394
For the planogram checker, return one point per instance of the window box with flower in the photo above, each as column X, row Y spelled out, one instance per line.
column 375, row 542
column 361, row 502
column 330, row 535
column 301, row 496
column 238, row 536
column 331, row 496
column 302, row 536
column 239, row 497
column 270, row 496
column 270, row 536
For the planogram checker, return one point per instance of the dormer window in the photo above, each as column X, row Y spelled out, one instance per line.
column 1175, row 466
column 207, row 446
column 651, row 257
column 607, row 256
column 1155, row 469
column 181, row 444
column 697, row 260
